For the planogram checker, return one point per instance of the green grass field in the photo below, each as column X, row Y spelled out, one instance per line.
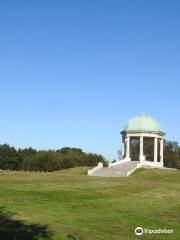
column 68, row 205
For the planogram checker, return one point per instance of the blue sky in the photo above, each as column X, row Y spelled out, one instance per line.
column 73, row 72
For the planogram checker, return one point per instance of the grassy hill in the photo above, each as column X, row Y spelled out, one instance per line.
column 68, row 205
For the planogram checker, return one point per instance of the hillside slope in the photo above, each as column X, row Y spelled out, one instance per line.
column 69, row 205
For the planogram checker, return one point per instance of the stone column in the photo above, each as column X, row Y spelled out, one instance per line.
column 161, row 150
column 128, row 147
column 122, row 147
column 155, row 149
column 141, row 155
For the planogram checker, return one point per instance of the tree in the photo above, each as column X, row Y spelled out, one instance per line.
column 9, row 158
column 171, row 154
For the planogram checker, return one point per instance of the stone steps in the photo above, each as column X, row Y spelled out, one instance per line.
column 120, row 170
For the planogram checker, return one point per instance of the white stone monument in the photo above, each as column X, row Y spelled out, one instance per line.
column 144, row 127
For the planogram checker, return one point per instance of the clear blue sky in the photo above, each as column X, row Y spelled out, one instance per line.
column 73, row 72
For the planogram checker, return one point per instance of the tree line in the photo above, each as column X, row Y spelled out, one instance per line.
column 46, row 160
column 53, row 160
column 171, row 154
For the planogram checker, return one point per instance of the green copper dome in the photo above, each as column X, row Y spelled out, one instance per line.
column 143, row 124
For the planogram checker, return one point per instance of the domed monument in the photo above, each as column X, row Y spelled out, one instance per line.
column 142, row 140
column 142, row 146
